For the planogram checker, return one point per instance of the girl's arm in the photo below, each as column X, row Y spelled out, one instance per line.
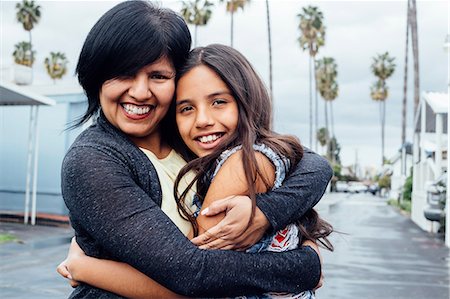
column 115, row 277
column 230, row 181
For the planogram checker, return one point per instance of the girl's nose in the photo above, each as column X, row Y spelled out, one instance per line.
column 204, row 118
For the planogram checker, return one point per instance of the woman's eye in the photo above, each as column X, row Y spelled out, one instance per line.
column 158, row 77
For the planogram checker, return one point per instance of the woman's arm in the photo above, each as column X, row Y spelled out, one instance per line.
column 301, row 191
column 116, row 219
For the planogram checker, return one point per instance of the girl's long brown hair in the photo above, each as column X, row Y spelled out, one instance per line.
column 254, row 126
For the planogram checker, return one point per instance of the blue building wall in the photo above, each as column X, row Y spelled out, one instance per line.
column 54, row 140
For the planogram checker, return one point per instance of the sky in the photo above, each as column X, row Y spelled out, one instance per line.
column 355, row 32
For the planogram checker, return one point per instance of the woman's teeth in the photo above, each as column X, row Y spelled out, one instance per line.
column 133, row 109
column 209, row 138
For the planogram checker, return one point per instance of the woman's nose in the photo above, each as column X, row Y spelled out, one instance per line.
column 140, row 88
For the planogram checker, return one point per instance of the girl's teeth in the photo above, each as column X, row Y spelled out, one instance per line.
column 209, row 138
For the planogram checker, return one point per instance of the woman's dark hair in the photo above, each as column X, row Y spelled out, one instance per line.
column 129, row 36
column 254, row 126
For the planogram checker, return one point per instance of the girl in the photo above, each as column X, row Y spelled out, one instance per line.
column 223, row 115
column 227, row 126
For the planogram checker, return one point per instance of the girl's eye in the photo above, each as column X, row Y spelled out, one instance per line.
column 219, row 102
column 186, row 109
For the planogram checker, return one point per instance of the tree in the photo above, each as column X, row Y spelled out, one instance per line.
column 415, row 48
column 411, row 26
column 322, row 136
column 269, row 41
column 56, row 65
column 382, row 67
column 197, row 13
column 312, row 37
column 23, row 54
column 326, row 84
column 29, row 15
column 233, row 6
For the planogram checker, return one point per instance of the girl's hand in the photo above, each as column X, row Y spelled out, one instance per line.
column 75, row 252
column 234, row 231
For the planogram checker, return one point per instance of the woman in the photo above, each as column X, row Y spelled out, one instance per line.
column 127, row 68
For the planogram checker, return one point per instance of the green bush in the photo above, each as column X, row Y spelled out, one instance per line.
column 407, row 188
column 384, row 182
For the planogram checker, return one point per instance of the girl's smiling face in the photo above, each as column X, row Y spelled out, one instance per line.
column 206, row 111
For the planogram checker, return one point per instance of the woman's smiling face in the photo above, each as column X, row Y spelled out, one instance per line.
column 136, row 105
column 206, row 111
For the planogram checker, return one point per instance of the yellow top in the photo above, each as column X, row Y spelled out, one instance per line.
column 168, row 169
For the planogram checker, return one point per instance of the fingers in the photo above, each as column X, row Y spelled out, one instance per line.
column 63, row 271
column 210, row 235
column 74, row 283
column 218, row 206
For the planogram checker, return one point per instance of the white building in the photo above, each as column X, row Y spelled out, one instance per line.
column 430, row 152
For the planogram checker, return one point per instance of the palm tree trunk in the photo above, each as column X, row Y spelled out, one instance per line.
column 231, row 30
column 327, row 136
column 310, row 103
column 332, row 118
column 405, row 80
column 270, row 50
column 415, row 48
column 195, row 35
column 382, row 120
column 32, row 56
column 316, row 109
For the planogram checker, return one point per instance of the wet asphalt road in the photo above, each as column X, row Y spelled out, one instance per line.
column 379, row 254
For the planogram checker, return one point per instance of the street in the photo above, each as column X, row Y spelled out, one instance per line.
column 379, row 253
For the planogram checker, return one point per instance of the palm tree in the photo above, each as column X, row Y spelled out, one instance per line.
column 232, row 7
column 29, row 15
column 322, row 136
column 56, row 65
column 312, row 37
column 23, row 54
column 326, row 76
column 382, row 67
column 196, row 14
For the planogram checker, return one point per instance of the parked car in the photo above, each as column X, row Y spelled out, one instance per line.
column 357, row 187
column 341, row 186
column 373, row 188
column 436, row 197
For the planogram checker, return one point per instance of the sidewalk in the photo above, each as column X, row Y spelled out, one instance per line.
column 28, row 265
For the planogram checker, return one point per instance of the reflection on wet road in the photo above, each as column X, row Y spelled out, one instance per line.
column 380, row 253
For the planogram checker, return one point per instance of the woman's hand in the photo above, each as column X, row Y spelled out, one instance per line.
column 234, row 231
column 314, row 246
column 75, row 252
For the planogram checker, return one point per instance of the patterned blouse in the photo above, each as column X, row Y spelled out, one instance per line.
column 282, row 240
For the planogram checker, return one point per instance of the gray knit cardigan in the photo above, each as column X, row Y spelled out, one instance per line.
column 113, row 194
